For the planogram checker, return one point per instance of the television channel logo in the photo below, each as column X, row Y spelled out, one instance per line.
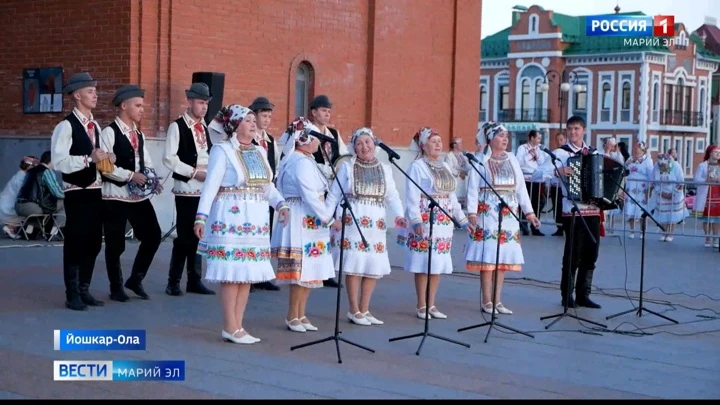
column 610, row 25
column 118, row 370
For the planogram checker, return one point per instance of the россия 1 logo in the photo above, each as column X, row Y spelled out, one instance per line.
column 614, row 25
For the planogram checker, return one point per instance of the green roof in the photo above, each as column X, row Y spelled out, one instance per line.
column 497, row 46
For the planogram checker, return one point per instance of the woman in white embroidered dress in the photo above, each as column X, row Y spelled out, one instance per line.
column 232, row 221
column 640, row 166
column 303, row 247
column 707, row 197
column 459, row 167
column 668, row 195
column 503, row 171
column 372, row 194
column 435, row 177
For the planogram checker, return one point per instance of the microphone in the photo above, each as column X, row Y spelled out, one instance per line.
column 321, row 137
column 391, row 153
column 472, row 158
column 549, row 152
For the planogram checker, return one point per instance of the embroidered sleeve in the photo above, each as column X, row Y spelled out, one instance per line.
column 60, row 144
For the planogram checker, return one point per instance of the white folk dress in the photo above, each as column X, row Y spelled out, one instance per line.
column 234, row 201
column 668, row 197
column 638, row 185
column 372, row 195
column 436, row 179
column 507, row 178
column 302, row 248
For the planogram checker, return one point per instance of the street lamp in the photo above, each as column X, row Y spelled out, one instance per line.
column 566, row 81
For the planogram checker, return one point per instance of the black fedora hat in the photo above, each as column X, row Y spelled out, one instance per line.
column 261, row 103
column 199, row 91
column 127, row 92
column 321, row 101
column 79, row 81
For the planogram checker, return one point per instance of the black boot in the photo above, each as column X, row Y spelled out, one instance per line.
column 177, row 262
column 266, row 285
column 330, row 283
column 86, row 272
column 134, row 284
column 583, row 288
column 72, row 288
column 114, row 272
column 566, row 291
column 194, row 284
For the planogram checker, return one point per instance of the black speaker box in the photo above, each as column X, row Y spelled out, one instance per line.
column 216, row 82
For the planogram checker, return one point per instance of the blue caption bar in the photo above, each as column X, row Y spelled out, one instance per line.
column 118, row 370
column 618, row 26
column 69, row 339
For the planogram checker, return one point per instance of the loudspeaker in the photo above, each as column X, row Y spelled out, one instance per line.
column 216, row 83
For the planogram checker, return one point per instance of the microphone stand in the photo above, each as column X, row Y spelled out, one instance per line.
column 643, row 225
column 503, row 204
column 433, row 204
column 336, row 336
column 571, row 271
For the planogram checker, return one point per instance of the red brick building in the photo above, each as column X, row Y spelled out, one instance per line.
column 543, row 69
column 395, row 65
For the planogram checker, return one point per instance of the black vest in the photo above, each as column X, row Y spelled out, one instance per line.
column 187, row 152
column 125, row 154
column 270, row 152
column 335, row 147
column 81, row 146
column 34, row 191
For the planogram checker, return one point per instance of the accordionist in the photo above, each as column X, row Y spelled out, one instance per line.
column 584, row 249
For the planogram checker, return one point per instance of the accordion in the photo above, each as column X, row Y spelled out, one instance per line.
column 596, row 180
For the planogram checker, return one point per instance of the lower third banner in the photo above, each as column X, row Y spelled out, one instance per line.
column 118, row 370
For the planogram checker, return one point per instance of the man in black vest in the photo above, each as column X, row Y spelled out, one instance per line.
column 186, row 155
column 320, row 112
column 263, row 110
column 123, row 138
column 41, row 194
column 75, row 149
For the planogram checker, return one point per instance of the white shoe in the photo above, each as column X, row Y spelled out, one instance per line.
column 307, row 325
column 10, row 233
column 245, row 340
column 487, row 308
column 663, row 238
column 295, row 327
column 421, row 313
column 372, row 319
column 437, row 314
column 501, row 309
column 631, row 236
column 358, row 321
column 668, row 238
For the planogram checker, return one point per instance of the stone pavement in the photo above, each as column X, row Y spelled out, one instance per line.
column 570, row 360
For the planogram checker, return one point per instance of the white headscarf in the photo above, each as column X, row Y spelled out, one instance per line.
column 421, row 138
column 490, row 130
column 357, row 134
column 297, row 132
column 226, row 122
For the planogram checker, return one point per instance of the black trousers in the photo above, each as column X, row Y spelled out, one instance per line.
column 83, row 237
column 556, row 197
column 146, row 229
column 185, row 246
column 584, row 255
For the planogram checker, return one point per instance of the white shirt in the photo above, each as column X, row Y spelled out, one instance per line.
column 172, row 161
column 530, row 158
column 60, row 144
column 262, row 135
column 111, row 191
column 567, row 206
column 301, row 178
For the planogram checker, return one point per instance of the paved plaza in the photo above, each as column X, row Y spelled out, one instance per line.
column 570, row 360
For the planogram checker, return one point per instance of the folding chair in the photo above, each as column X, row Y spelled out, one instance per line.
column 40, row 220
column 54, row 219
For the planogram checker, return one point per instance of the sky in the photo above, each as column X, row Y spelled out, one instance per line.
column 496, row 15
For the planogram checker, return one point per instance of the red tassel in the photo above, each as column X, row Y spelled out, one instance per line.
column 602, row 224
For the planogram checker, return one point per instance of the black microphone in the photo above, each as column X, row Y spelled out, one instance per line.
column 320, row 136
column 391, row 153
column 549, row 152
column 472, row 158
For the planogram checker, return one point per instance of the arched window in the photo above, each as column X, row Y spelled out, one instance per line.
column 533, row 24
column 606, row 96
column 483, row 103
column 303, row 88
column 625, row 105
column 525, row 98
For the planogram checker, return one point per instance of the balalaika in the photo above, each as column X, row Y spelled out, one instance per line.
column 596, row 179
